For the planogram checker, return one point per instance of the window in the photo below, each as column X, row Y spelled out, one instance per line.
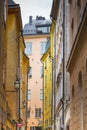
column 30, row 73
column 41, row 71
column 5, row 11
column 72, row 24
column 41, row 94
column 32, row 128
column 28, row 113
column 48, row 29
column 42, row 29
column 29, row 95
column 43, row 45
column 28, row 49
column 37, row 112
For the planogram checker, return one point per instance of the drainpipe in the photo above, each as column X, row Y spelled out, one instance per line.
column 54, row 67
column 19, row 77
column 63, row 94
column 26, row 101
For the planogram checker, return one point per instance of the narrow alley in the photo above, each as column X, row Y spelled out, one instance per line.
column 43, row 65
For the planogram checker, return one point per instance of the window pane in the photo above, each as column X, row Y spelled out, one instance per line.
column 37, row 112
column 29, row 95
column 28, row 113
column 43, row 45
column 41, row 94
column 41, row 71
column 30, row 73
column 28, row 49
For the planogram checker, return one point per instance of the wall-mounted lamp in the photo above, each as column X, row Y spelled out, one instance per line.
column 24, row 103
column 17, row 84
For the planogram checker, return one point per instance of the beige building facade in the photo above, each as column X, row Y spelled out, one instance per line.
column 77, row 64
column 17, row 70
column 60, row 13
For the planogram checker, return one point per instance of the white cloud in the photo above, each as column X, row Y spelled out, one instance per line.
column 34, row 8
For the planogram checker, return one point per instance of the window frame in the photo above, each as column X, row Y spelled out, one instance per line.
column 29, row 94
column 30, row 73
column 28, row 49
column 43, row 45
column 41, row 71
column 37, row 112
column 41, row 94
column 28, row 113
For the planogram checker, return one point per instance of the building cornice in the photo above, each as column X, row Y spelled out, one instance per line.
column 36, row 35
column 54, row 10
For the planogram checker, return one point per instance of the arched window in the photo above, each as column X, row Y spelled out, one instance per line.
column 81, row 98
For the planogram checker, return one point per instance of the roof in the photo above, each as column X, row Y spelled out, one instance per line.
column 38, row 25
column 15, row 8
column 11, row 2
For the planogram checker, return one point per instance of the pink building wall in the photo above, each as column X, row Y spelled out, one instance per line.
column 36, row 82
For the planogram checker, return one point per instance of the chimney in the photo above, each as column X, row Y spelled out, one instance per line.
column 30, row 19
column 36, row 17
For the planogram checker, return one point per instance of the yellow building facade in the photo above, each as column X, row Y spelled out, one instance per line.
column 3, row 53
column 47, row 62
column 17, row 69
column 48, row 85
column 53, row 51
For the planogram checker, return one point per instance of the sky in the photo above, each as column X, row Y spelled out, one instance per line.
column 34, row 8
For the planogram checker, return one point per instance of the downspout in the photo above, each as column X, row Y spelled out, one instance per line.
column 54, row 67
column 63, row 92
column 43, row 94
column 26, row 99
column 19, row 76
column 19, row 119
column 53, row 58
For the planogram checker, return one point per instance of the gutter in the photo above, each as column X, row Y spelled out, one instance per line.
column 13, row 6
